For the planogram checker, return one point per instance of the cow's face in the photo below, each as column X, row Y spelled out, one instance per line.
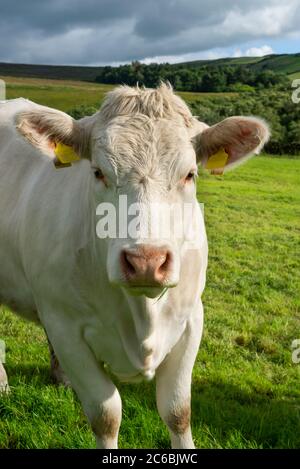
column 146, row 169
column 144, row 147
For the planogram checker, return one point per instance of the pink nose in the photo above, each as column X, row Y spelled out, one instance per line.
column 146, row 265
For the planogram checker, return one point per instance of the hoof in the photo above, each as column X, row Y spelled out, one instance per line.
column 58, row 377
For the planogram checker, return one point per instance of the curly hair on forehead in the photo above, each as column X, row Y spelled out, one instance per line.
column 155, row 103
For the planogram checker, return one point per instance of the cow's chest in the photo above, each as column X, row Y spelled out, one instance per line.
column 133, row 347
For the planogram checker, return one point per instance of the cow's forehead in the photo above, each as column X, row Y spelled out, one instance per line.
column 144, row 146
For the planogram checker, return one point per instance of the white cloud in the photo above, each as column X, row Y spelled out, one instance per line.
column 267, row 20
column 172, row 59
column 254, row 51
column 238, row 53
column 259, row 51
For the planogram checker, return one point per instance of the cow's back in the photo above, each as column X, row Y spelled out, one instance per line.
column 34, row 200
column 14, row 289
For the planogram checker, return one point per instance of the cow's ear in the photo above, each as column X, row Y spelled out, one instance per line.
column 230, row 142
column 55, row 133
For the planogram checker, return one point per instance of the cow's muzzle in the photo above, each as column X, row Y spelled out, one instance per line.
column 147, row 267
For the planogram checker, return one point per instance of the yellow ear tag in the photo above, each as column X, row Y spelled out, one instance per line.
column 218, row 160
column 65, row 155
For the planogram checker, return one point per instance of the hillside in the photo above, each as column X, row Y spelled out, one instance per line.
column 280, row 63
column 224, row 61
column 285, row 63
column 52, row 72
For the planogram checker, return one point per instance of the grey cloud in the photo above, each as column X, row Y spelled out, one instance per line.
column 61, row 15
column 104, row 31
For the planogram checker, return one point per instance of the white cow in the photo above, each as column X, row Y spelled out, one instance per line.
column 107, row 303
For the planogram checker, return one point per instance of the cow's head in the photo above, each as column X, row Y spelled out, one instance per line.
column 144, row 147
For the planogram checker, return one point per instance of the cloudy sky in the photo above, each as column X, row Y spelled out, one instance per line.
column 92, row 32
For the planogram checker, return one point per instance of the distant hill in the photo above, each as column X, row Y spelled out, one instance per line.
column 57, row 72
column 288, row 64
column 280, row 63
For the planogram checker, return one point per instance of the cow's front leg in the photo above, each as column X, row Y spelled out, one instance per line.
column 173, row 384
column 57, row 373
column 99, row 396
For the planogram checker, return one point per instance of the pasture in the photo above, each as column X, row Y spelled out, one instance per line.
column 246, row 389
column 68, row 94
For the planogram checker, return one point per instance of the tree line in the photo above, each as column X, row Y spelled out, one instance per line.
column 275, row 106
column 192, row 78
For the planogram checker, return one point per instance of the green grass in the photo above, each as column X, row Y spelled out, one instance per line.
column 283, row 63
column 246, row 390
column 67, row 94
column 294, row 76
column 59, row 94
column 279, row 63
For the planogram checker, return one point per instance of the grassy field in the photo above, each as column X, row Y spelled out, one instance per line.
column 294, row 76
column 246, row 390
column 59, row 94
column 67, row 94
column 282, row 63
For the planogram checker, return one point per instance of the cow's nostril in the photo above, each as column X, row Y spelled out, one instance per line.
column 146, row 265
column 165, row 264
column 128, row 266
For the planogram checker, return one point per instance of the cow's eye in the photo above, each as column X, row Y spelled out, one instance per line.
column 190, row 176
column 98, row 174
